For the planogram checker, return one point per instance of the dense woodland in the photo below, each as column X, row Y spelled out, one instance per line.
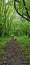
column 12, row 24
column 8, row 18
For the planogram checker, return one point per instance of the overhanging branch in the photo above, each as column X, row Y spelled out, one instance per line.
column 26, row 17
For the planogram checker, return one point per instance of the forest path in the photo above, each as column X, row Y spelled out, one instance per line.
column 13, row 55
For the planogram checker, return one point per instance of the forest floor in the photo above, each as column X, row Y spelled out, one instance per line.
column 14, row 55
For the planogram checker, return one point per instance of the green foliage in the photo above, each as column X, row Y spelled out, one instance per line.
column 24, row 44
column 11, row 24
column 23, row 7
column 6, row 11
column 20, row 28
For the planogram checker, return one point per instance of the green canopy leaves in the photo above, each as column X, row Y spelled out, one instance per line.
column 23, row 8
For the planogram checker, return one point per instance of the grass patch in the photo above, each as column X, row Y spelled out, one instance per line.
column 3, row 41
column 24, row 43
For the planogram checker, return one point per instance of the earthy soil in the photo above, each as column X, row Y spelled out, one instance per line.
column 13, row 55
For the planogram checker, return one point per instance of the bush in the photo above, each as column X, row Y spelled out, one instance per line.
column 1, row 29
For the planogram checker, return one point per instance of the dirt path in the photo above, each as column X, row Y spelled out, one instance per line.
column 13, row 55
